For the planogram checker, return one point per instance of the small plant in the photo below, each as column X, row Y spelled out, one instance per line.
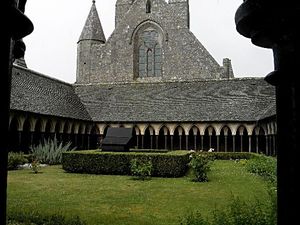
column 141, row 169
column 50, row 151
column 35, row 166
column 15, row 159
column 200, row 165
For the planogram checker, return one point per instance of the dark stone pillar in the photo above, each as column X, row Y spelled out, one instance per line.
column 15, row 26
column 257, row 143
column 76, row 140
column 195, row 142
column 156, row 141
column 151, row 141
column 275, row 25
column 88, row 141
column 202, row 137
column 186, row 142
column 274, row 146
column 19, row 144
column 226, row 142
column 267, row 144
column 137, row 141
column 166, row 141
column 82, row 146
column 172, row 142
column 242, row 142
column 180, row 142
column 142, row 141
column 31, row 138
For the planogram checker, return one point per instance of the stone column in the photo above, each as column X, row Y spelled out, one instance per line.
column 187, row 142
column 257, row 143
column 233, row 143
column 180, row 142
column 137, row 141
column 142, row 141
column 166, row 141
column 250, row 143
column 241, row 142
column 156, row 141
column 202, row 141
column 88, row 141
column 19, row 144
column 226, row 142
column 151, row 141
column 195, row 142
column 218, row 143
column 172, row 142
column 274, row 144
column 267, row 144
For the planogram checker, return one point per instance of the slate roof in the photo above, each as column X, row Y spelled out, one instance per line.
column 244, row 99
column 36, row 93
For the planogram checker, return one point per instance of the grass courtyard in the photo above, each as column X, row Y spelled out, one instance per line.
column 121, row 200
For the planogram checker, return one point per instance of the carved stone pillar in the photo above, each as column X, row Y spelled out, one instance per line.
column 275, row 25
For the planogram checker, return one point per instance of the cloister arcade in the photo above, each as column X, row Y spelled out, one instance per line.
column 30, row 129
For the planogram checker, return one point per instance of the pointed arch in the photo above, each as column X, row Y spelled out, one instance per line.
column 164, row 138
column 148, row 137
column 148, row 50
column 242, row 141
column 194, row 138
column 179, row 142
column 226, row 139
column 210, row 140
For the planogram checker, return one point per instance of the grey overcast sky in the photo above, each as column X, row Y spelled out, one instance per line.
column 51, row 48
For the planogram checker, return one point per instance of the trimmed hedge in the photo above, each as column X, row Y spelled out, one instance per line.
column 171, row 164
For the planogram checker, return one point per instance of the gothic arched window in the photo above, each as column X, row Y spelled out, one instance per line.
column 149, row 53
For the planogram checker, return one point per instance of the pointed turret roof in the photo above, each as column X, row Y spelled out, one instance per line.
column 93, row 29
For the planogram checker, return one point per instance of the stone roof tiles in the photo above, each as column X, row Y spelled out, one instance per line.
column 215, row 100
column 36, row 93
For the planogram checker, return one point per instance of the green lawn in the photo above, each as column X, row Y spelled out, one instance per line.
column 120, row 200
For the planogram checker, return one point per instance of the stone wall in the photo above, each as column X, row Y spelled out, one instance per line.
column 183, row 56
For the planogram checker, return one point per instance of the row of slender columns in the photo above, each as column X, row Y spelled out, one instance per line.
column 84, row 141
column 270, row 140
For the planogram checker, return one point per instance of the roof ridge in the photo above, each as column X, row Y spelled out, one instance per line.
column 170, row 81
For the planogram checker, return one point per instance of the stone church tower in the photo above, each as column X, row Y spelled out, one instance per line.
column 152, row 42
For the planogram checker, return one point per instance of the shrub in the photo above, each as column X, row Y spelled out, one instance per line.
column 171, row 164
column 264, row 166
column 238, row 212
column 141, row 169
column 194, row 218
column 34, row 218
column 50, row 151
column 200, row 165
column 15, row 159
